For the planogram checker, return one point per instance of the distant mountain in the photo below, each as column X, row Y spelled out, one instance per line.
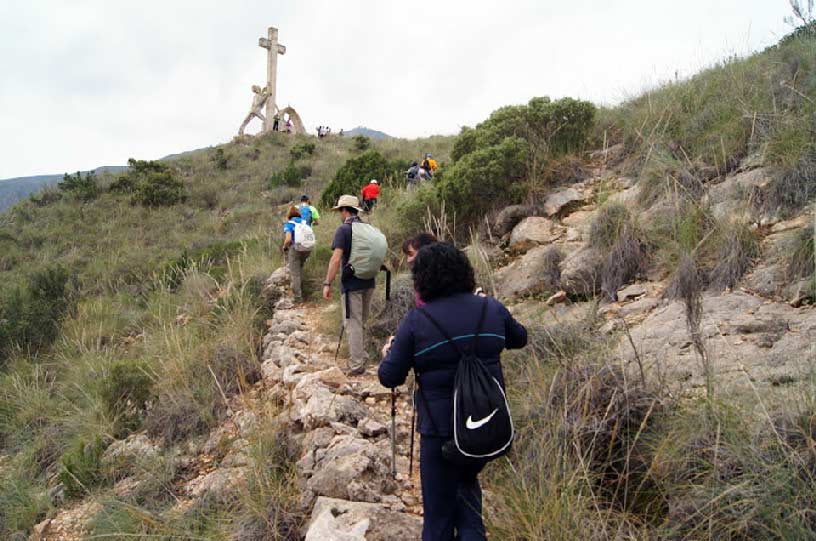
column 14, row 189
column 373, row 134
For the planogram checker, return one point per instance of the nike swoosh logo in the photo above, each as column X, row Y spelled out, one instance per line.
column 473, row 425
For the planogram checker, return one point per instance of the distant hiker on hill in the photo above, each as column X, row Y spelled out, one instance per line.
column 358, row 262
column 340, row 133
column 371, row 192
column 320, row 132
column 428, row 165
column 276, row 122
column 482, row 327
column 289, row 126
column 412, row 175
column 298, row 243
column 309, row 213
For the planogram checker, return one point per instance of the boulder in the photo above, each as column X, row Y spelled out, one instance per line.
column 347, row 518
column 561, row 202
column 580, row 272
column 324, row 407
column 534, row 230
column 352, row 468
column 729, row 197
column 536, row 271
column 632, row 292
column 219, row 484
column 510, row 216
column 627, row 197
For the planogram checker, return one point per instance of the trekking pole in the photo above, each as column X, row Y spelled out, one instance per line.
column 394, row 432
column 413, row 425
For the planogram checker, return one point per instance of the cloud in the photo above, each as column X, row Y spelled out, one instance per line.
column 88, row 82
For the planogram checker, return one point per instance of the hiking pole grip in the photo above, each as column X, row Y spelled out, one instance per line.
column 387, row 283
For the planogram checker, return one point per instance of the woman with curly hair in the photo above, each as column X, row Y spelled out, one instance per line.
column 444, row 278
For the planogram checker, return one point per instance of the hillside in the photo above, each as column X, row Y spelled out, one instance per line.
column 15, row 189
column 156, row 380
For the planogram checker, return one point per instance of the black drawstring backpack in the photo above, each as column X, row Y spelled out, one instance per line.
column 482, row 425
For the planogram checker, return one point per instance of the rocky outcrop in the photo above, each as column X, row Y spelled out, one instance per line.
column 510, row 216
column 536, row 271
column 561, row 202
column 533, row 231
column 340, row 520
column 581, row 272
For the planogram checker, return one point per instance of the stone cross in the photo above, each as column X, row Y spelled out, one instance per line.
column 273, row 50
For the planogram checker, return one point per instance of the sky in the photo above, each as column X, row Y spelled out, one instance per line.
column 85, row 83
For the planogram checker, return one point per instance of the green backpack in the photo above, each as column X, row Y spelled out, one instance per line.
column 368, row 250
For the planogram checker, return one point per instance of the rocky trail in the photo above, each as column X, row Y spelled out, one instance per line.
column 339, row 425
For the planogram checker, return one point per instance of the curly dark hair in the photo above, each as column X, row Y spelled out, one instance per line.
column 442, row 270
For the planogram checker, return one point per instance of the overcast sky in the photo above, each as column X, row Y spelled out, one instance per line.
column 85, row 83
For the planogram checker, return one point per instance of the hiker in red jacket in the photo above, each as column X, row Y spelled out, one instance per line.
column 370, row 192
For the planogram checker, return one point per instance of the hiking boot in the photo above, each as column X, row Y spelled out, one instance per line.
column 356, row 371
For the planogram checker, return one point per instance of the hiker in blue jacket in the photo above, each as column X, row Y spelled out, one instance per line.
column 444, row 279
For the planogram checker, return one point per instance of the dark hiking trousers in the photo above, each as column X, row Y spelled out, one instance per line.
column 451, row 496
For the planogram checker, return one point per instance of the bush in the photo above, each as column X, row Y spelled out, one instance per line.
column 150, row 183
column 608, row 226
column 126, row 392
column 83, row 188
column 82, row 468
column 801, row 261
column 361, row 142
column 351, row 177
column 30, row 315
column 160, row 190
column 485, row 179
column 22, row 503
column 220, row 160
column 213, row 257
column 302, row 150
column 292, row 176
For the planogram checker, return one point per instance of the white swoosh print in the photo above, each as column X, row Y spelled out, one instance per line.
column 473, row 425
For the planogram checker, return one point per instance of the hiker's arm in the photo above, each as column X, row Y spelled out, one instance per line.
column 287, row 242
column 334, row 267
column 396, row 365
column 515, row 333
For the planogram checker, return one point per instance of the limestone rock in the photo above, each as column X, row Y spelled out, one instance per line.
column 632, row 292
column 510, row 216
column 125, row 453
column 219, row 484
column 627, row 197
column 562, row 201
column 528, row 274
column 580, row 272
column 534, row 230
column 352, row 468
column 559, row 297
column 371, row 428
column 324, row 407
column 384, row 524
column 728, row 198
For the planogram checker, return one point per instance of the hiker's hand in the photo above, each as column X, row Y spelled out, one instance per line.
column 327, row 292
column 387, row 347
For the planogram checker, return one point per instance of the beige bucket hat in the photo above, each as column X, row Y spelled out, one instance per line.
column 348, row 201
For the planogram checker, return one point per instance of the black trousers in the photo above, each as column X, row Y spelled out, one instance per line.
column 369, row 204
column 451, row 496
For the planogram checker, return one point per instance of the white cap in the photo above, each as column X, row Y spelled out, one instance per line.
column 373, row 181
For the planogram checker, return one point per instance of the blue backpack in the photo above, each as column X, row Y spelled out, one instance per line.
column 306, row 214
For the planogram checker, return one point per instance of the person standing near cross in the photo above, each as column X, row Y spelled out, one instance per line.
column 273, row 48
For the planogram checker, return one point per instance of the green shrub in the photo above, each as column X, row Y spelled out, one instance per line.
column 83, row 188
column 292, row 176
column 361, row 142
column 150, row 183
column 801, row 261
column 82, row 468
column 485, row 179
column 212, row 258
column 160, row 190
column 412, row 209
column 126, row 392
column 735, row 247
column 353, row 175
column 301, row 150
column 220, row 160
column 30, row 315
